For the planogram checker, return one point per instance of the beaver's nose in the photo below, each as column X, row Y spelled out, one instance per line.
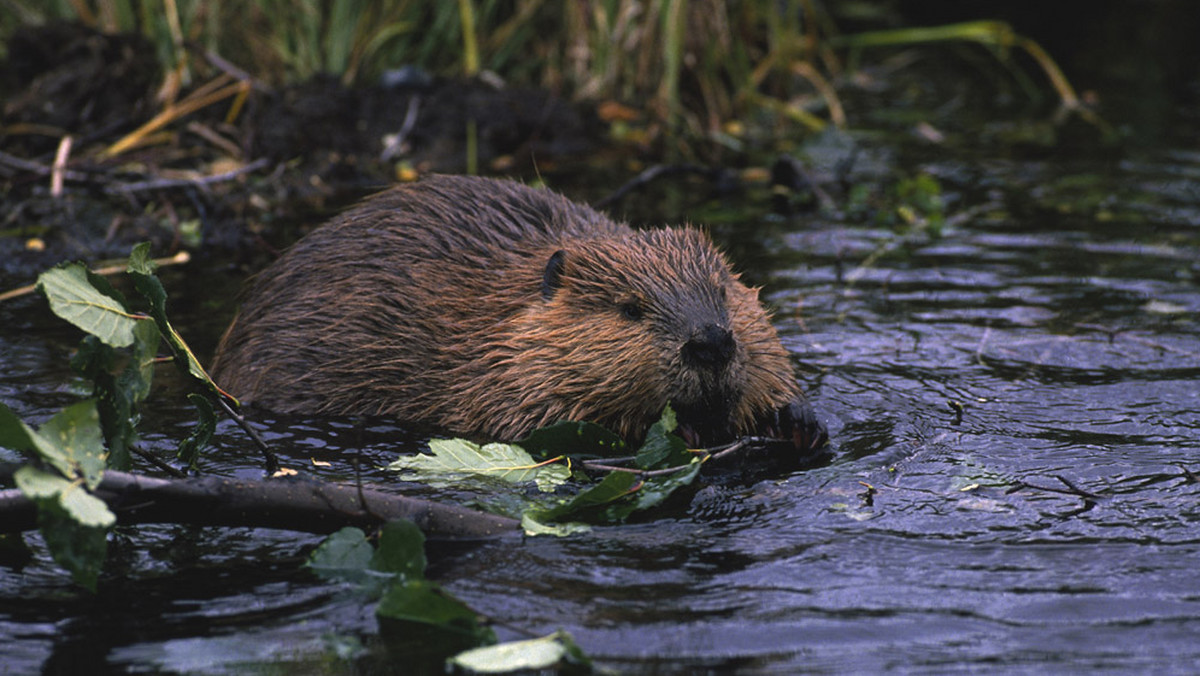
column 710, row 345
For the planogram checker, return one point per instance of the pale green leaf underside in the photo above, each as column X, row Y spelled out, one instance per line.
column 83, row 507
column 507, row 462
column 515, row 656
column 73, row 298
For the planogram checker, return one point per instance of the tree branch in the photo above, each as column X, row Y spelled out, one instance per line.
column 289, row 504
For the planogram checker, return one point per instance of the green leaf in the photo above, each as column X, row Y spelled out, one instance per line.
column 139, row 374
column 141, row 269
column 347, row 549
column 668, row 420
column 613, row 487
column 423, row 602
column 653, row 493
column 75, row 434
column 507, row 462
column 418, row 620
column 70, row 441
column 94, row 361
column 118, row 395
column 613, row 500
column 86, row 509
column 81, row 506
column 140, row 261
column 101, row 284
column 73, row 296
column 79, row 548
column 662, row 448
column 346, row 556
column 37, row 484
column 93, row 358
column 573, row 438
column 15, row 434
column 539, row 654
column 189, row 448
column 72, row 522
column 401, row 550
column 534, row 527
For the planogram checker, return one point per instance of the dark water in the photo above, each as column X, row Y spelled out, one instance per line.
column 1058, row 310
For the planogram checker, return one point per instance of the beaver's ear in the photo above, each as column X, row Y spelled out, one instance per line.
column 552, row 276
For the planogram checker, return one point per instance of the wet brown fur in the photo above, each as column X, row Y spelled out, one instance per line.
column 432, row 302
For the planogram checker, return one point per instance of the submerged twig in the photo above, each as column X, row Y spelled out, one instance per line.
column 1071, row 488
column 1077, row 490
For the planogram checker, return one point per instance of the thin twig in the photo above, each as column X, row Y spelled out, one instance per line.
column 207, row 94
column 1078, row 491
column 1071, row 489
column 394, row 144
column 617, row 461
column 154, row 460
column 639, row 472
column 60, row 165
column 731, row 448
column 592, row 464
column 268, row 455
column 208, row 134
column 160, row 183
column 219, row 62
column 39, row 169
column 181, row 257
column 706, row 455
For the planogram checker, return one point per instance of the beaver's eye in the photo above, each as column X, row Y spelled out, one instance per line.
column 631, row 311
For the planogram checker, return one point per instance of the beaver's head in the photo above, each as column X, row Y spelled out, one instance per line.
column 626, row 325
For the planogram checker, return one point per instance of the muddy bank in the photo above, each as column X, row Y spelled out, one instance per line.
column 247, row 158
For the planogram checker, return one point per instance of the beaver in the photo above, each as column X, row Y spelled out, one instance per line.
column 489, row 308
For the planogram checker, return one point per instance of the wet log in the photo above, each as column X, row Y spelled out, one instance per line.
column 285, row 503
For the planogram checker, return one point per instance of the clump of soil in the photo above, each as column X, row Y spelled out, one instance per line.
column 65, row 77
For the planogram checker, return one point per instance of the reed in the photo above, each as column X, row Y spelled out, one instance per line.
column 691, row 65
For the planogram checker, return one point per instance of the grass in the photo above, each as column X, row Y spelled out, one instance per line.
column 691, row 66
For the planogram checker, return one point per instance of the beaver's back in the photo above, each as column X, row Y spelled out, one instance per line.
column 466, row 219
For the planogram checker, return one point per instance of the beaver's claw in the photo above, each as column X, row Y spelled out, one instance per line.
column 797, row 422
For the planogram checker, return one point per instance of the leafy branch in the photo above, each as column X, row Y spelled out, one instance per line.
column 662, row 465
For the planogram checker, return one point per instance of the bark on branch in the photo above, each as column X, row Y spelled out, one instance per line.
column 289, row 504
